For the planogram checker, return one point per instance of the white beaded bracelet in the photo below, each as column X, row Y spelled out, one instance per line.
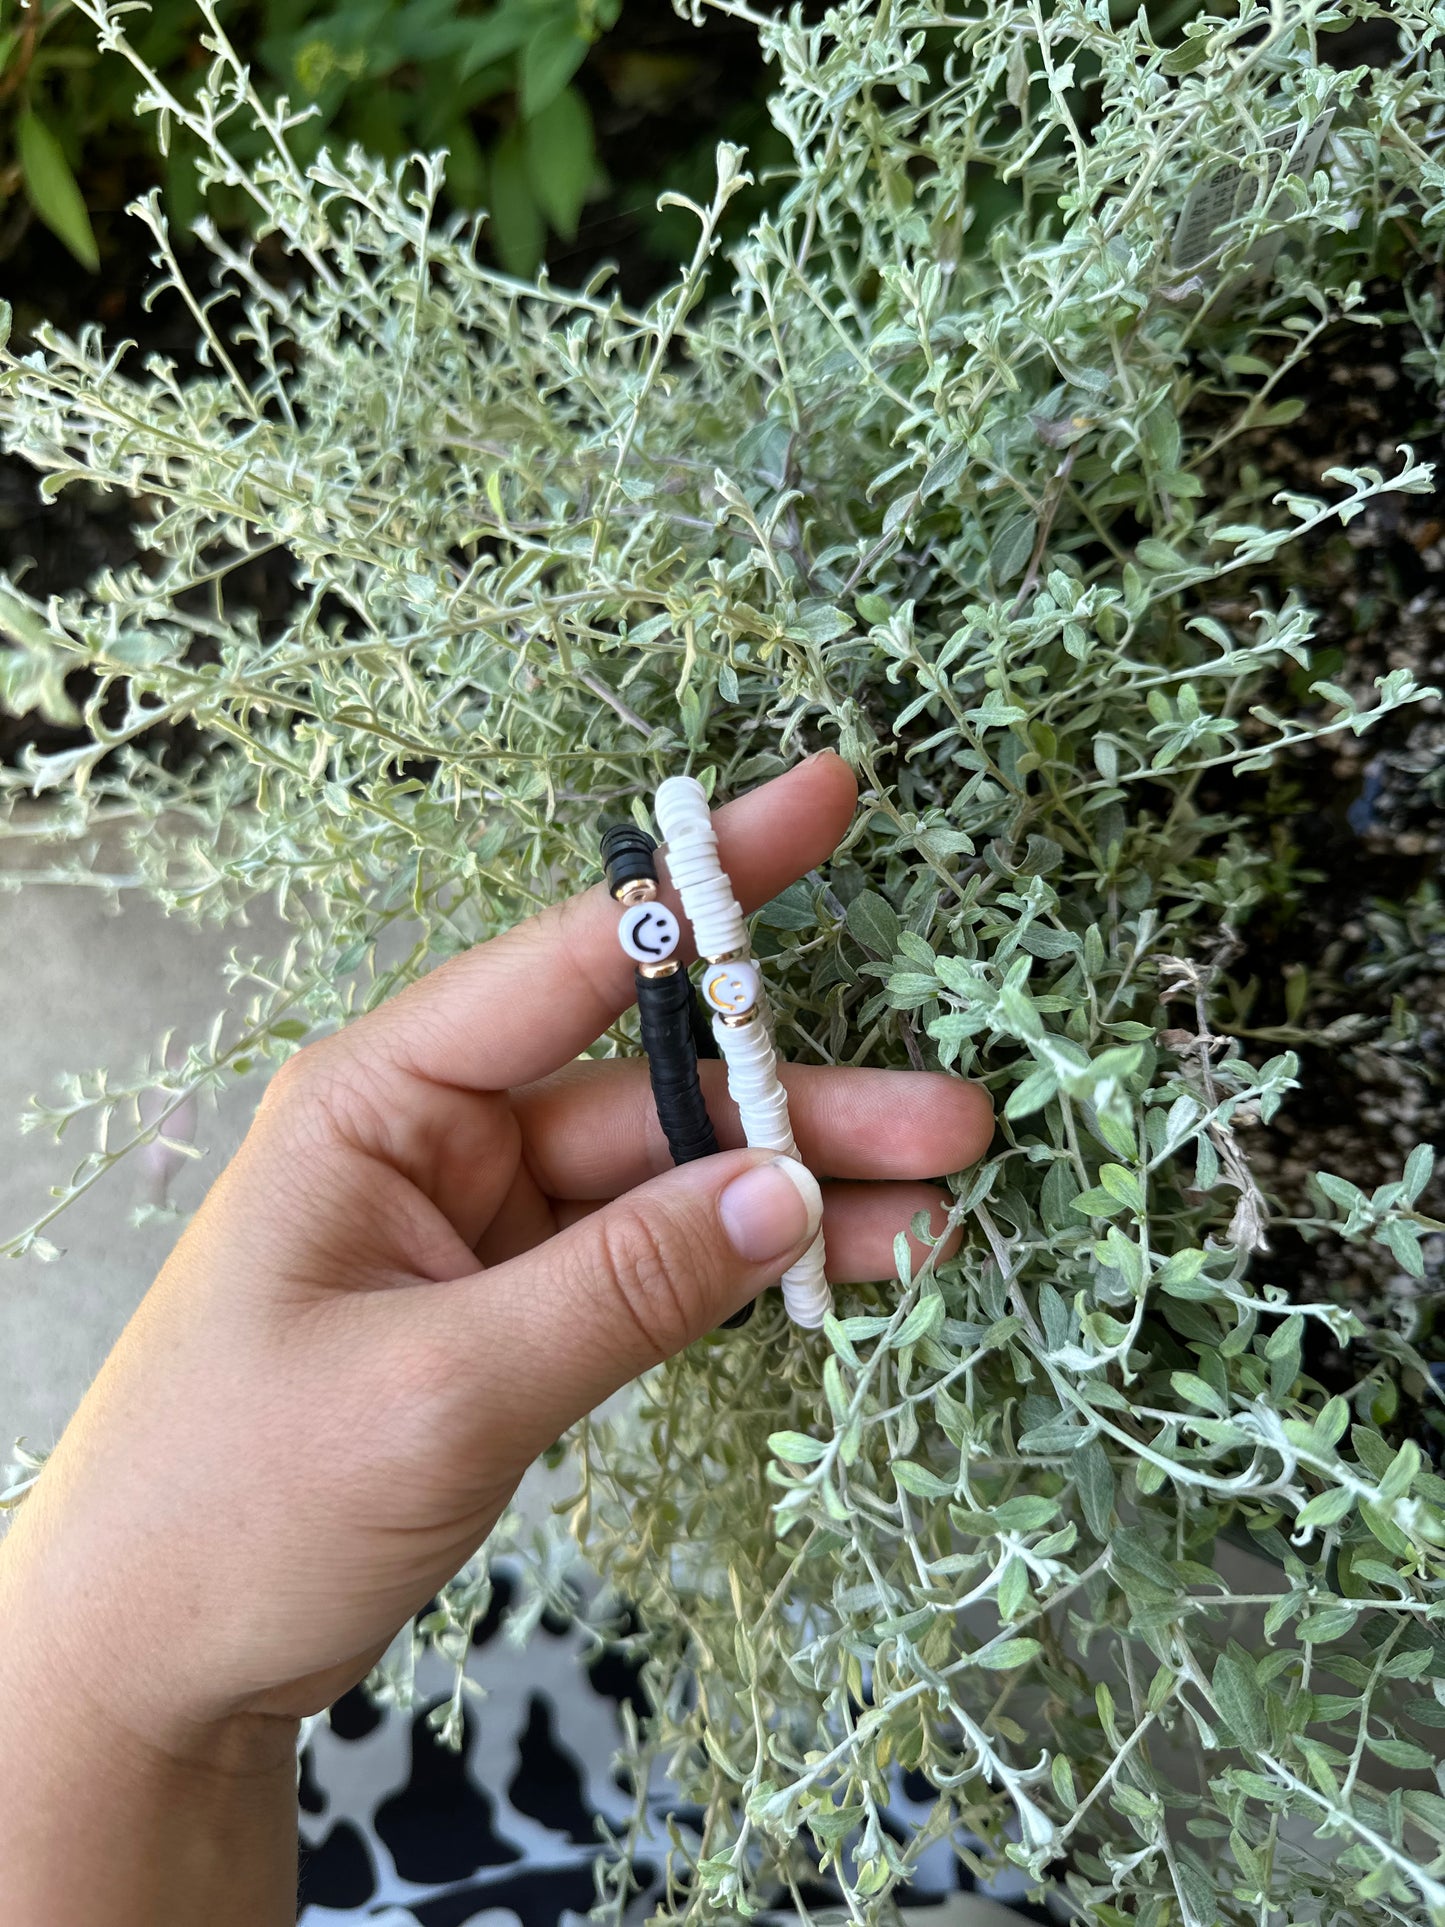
column 732, row 988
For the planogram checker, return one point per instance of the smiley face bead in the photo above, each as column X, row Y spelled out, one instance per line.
column 731, row 989
column 648, row 932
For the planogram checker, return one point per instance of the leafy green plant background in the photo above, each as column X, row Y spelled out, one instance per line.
column 493, row 86
column 952, row 462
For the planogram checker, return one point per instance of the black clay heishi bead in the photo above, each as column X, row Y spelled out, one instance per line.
column 664, row 1009
column 628, row 854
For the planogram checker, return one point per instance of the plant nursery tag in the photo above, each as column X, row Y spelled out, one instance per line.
column 1219, row 198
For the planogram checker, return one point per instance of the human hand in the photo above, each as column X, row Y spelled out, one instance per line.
column 442, row 1242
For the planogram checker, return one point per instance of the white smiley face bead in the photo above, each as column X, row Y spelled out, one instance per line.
column 648, row 932
column 731, row 989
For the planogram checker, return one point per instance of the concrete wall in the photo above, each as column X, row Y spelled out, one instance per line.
column 88, row 982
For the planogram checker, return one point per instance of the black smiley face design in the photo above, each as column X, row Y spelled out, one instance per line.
column 648, row 932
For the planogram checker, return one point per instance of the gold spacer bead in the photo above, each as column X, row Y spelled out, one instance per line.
column 653, row 971
column 639, row 890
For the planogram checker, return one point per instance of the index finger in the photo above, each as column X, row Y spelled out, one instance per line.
column 526, row 1003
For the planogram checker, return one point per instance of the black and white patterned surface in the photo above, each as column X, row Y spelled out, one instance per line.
column 399, row 1832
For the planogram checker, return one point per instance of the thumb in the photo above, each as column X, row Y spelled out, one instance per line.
column 574, row 1319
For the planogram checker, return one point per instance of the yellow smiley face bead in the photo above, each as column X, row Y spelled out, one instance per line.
column 731, row 989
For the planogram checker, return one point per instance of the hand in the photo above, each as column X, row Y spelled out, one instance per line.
column 442, row 1242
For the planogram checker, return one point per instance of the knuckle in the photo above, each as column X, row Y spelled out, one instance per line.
column 326, row 1078
column 297, row 1080
column 648, row 1272
column 307, row 1096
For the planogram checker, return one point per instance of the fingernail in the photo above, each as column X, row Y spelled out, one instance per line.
column 771, row 1210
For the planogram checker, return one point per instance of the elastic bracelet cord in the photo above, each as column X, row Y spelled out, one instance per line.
column 732, row 987
column 649, row 934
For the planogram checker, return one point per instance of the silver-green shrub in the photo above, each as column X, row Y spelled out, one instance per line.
column 941, row 466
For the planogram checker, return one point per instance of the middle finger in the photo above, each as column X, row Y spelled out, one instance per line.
column 590, row 1130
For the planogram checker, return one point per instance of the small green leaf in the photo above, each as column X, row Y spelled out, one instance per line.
column 1097, row 1203
column 52, row 188
column 1124, row 1186
column 1195, row 1391
column 1060, row 1434
column 1094, row 1482
column 1327, row 1509
column 835, row 1391
column 1427, row 1808
column 1188, row 55
column 1339, row 1191
column 493, row 37
column 1058, row 1194
column 1320, row 1628
column 1140, row 1568
column 1283, row 1352
column 1160, row 556
column 1402, row 1753
column 1179, row 1275
column 1284, row 1339
column 907, row 989
column 1401, row 1475
column 918, row 1480
column 1332, row 1421
column 1008, row 1654
column 1012, row 547
column 790, row 909
column 517, row 229
column 1197, row 1885
column 874, row 922
column 561, row 159
column 796, row 1447
column 1036, row 1090
column 1418, row 1169
column 1026, row 1513
column 1383, row 1527
column 1283, row 412
column 1371, row 1450
column 1013, row 1588
column 922, row 1322
column 550, row 58
column 841, row 1342
column 1404, row 1241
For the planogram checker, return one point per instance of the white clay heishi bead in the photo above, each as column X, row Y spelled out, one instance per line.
column 747, row 1050
column 732, row 987
column 754, row 1085
column 807, row 1295
column 681, row 807
column 685, row 820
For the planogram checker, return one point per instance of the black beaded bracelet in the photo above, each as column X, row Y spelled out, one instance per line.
column 666, row 1007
